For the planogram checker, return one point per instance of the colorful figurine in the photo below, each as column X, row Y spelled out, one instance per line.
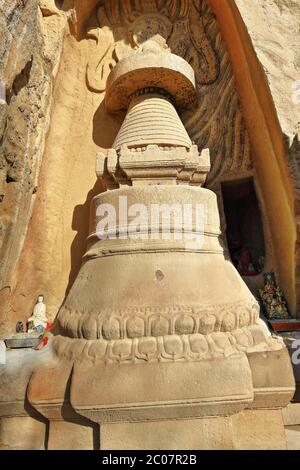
column 272, row 298
column 38, row 321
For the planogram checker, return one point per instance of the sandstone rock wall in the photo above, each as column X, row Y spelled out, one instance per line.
column 30, row 47
column 56, row 233
column 274, row 28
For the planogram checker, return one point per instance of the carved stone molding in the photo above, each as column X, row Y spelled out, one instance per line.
column 127, row 165
column 167, row 348
column 136, row 322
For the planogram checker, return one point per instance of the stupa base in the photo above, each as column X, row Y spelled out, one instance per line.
column 249, row 429
column 222, row 403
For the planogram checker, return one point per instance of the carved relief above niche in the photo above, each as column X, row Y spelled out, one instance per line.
column 121, row 26
column 189, row 29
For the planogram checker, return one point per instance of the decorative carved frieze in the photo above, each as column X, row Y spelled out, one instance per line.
column 121, row 26
column 135, row 322
column 168, row 348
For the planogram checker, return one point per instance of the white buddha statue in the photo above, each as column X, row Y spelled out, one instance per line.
column 38, row 320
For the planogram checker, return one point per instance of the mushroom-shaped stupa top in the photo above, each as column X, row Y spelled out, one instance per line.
column 151, row 67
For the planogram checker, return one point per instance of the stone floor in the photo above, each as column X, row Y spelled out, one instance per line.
column 14, row 359
column 293, row 437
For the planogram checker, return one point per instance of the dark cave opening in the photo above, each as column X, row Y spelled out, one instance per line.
column 245, row 235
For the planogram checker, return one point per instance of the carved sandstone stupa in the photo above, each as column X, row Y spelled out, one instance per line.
column 159, row 340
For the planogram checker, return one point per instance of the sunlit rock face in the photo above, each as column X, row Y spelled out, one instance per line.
column 274, row 31
column 30, row 52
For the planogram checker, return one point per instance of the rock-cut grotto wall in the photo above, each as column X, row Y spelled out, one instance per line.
column 263, row 43
column 31, row 37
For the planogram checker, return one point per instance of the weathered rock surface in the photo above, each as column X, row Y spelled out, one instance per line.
column 273, row 26
column 274, row 30
column 30, row 48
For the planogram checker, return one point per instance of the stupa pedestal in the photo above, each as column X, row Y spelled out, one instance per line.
column 159, row 340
